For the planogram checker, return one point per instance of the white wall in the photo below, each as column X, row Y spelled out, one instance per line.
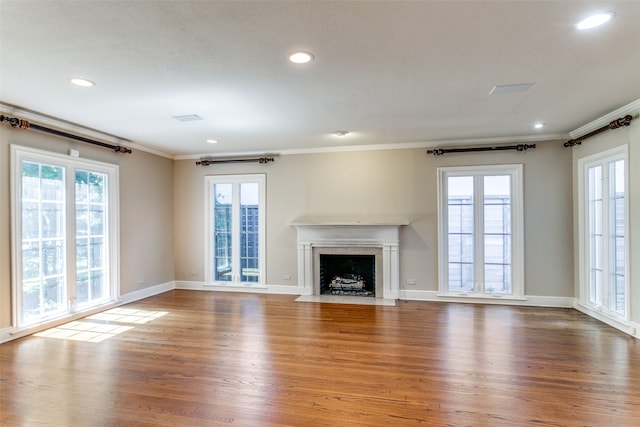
column 386, row 183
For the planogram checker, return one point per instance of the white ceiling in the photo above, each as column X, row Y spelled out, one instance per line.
column 393, row 73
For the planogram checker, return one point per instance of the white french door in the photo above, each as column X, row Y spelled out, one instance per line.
column 480, row 221
column 235, row 228
column 604, row 224
column 65, row 229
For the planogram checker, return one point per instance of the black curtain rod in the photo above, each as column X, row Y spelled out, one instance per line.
column 206, row 162
column 519, row 147
column 618, row 123
column 24, row 124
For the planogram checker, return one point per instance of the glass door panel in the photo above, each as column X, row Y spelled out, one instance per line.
column 497, row 234
column 460, row 233
column 249, row 231
column 596, row 259
column 91, row 231
column 223, row 232
column 618, row 245
column 43, row 291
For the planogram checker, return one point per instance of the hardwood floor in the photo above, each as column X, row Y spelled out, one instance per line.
column 223, row 359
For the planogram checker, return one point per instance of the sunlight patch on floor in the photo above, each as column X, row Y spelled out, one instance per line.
column 101, row 328
column 84, row 331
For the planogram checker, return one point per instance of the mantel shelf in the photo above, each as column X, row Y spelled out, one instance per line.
column 333, row 222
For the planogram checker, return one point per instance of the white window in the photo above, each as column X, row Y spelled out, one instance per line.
column 64, row 245
column 480, row 231
column 235, row 229
column 603, row 223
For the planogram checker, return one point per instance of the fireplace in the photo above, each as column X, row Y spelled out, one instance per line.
column 363, row 258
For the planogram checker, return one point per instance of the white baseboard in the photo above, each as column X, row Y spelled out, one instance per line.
column 544, row 301
column 283, row 289
column 631, row 328
column 268, row 289
column 528, row 300
column 146, row 292
column 416, row 295
column 636, row 327
column 5, row 334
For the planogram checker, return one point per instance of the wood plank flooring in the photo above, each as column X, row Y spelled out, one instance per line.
column 226, row 359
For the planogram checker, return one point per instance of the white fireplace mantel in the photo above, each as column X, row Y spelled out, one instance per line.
column 345, row 233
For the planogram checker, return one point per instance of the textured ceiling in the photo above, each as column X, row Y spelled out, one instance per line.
column 390, row 72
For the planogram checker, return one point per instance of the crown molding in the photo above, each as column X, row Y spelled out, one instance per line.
column 390, row 146
column 632, row 108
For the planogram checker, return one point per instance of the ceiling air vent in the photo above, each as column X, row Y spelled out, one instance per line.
column 513, row 88
column 188, row 118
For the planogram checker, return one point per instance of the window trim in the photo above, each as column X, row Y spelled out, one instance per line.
column 17, row 155
column 210, row 181
column 603, row 158
column 517, row 203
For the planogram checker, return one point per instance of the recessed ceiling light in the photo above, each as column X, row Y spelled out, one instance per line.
column 212, row 141
column 538, row 125
column 594, row 20
column 341, row 133
column 300, row 57
column 81, row 82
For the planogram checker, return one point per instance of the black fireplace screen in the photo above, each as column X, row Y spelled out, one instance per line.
column 348, row 275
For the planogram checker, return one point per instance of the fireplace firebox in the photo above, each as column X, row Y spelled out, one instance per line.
column 352, row 275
